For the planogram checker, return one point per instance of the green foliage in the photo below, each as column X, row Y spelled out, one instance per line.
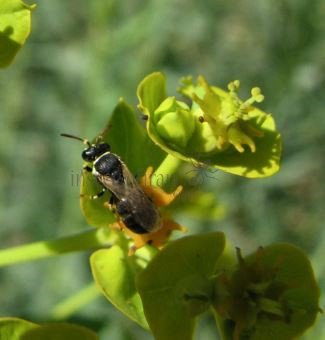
column 14, row 328
column 115, row 272
column 19, row 329
column 15, row 23
column 272, row 294
column 76, row 68
column 178, row 283
column 228, row 124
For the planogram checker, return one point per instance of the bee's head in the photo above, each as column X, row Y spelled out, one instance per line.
column 93, row 151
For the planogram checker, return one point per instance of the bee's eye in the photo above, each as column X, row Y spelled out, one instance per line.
column 90, row 154
column 94, row 151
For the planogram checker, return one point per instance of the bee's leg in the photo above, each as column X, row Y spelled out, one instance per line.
column 111, row 204
column 94, row 197
column 113, row 200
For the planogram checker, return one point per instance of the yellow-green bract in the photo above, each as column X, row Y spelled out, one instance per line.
column 19, row 329
column 15, row 23
column 218, row 129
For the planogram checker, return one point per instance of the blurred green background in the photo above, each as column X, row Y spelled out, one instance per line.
column 82, row 56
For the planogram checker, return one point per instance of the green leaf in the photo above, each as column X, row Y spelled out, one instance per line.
column 95, row 212
column 114, row 272
column 14, row 328
column 60, row 331
column 128, row 140
column 19, row 329
column 151, row 92
column 15, row 22
column 272, row 295
column 177, row 285
column 301, row 297
column 202, row 146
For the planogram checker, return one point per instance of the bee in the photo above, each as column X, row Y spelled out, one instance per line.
column 136, row 210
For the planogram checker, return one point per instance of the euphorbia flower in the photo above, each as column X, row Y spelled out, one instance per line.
column 228, row 116
column 213, row 127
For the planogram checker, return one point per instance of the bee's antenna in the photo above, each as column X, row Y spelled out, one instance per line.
column 85, row 141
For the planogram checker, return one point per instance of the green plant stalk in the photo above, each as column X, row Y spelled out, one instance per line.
column 94, row 238
column 72, row 304
column 165, row 171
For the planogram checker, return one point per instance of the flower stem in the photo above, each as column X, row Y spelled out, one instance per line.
column 93, row 238
column 71, row 305
column 165, row 170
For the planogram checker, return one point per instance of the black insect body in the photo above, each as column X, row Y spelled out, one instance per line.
column 134, row 207
column 137, row 212
column 109, row 165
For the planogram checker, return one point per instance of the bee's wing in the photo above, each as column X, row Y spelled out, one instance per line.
column 144, row 211
column 135, row 201
column 118, row 189
column 130, row 182
column 128, row 187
